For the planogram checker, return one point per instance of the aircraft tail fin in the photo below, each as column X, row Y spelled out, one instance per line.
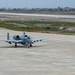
column 8, row 37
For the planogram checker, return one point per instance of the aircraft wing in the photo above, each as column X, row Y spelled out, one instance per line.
column 15, row 41
column 12, row 41
column 39, row 39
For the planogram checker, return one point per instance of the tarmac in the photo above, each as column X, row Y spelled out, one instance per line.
column 36, row 17
column 54, row 56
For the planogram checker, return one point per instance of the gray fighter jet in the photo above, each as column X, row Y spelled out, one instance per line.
column 24, row 40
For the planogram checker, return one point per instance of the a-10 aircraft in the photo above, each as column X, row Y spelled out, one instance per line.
column 24, row 40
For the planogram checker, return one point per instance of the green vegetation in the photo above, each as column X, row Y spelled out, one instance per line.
column 41, row 22
column 38, row 26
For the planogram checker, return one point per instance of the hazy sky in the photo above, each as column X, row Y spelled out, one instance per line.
column 36, row 3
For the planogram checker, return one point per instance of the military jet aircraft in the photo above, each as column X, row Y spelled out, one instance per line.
column 24, row 40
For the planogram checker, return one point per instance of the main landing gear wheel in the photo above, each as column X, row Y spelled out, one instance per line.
column 15, row 44
column 30, row 45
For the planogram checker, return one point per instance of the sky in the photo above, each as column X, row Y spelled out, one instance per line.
column 36, row 3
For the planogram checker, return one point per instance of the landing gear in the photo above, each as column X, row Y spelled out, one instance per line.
column 27, row 45
column 30, row 45
column 15, row 44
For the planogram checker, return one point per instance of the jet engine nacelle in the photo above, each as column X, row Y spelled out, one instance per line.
column 16, row 37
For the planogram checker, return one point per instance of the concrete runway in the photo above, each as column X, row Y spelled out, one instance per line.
column 55, row 56
column 36, row 17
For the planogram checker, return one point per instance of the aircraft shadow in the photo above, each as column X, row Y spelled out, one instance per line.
column 19, row 46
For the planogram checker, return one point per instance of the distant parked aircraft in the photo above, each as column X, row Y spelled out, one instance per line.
column 24, row 40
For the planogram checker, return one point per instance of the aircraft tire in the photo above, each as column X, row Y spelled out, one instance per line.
column 30, row 45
